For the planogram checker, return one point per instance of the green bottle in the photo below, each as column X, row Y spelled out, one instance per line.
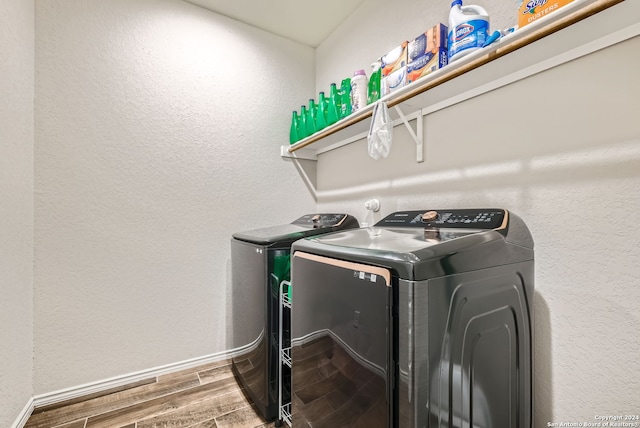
column 345, row 98
column 302, row 123
column 333, row 108
column 373, row 93
column 295, row 125
column 311, row 117
column 321, row 116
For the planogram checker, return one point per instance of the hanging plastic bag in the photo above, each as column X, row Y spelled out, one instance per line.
column 380, row 132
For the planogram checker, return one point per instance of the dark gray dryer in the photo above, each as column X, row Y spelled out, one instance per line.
column 424, row 320
column 260, row 261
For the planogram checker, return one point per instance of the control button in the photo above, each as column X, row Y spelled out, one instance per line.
column 430, row 215
column 315, row 218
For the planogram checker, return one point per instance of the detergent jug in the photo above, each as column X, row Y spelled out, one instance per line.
column 468, row 29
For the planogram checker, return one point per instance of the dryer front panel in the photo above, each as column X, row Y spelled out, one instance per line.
column 341, row 343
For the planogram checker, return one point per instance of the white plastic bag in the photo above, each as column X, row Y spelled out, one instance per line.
column 381, row 132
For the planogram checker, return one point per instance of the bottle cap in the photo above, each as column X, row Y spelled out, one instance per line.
column 456, row 3
column 359, row 73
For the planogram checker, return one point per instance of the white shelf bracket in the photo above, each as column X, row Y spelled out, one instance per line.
column 299, row 154
column 417, row 134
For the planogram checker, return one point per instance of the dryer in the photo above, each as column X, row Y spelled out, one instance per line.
column 424, row 320
column 260, row 261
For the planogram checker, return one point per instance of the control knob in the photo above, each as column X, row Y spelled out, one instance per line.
column 429, row 216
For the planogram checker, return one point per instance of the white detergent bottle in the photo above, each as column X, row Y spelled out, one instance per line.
column 468, row 29
column 359, row 85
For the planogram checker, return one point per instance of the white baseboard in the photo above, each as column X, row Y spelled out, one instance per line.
column 106, row 384
column 22, row 418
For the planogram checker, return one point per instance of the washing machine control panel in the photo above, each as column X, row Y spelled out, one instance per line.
column 320, row 220
column 458, row 219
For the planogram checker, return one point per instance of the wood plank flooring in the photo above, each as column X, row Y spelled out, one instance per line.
column 203, row 397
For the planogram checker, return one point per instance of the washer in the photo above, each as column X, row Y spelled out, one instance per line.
column 424, row 320
column 260, row 261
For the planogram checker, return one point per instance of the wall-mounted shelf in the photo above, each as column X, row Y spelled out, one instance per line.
column 512, row 58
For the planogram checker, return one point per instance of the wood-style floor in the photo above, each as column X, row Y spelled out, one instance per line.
column 204, row 397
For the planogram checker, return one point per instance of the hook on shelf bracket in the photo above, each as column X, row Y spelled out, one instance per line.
column 415, row 135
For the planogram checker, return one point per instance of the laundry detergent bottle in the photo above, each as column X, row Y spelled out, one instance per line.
column 468, row 29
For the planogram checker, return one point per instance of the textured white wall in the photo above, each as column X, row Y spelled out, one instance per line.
column 567, row 160
column 157, row 128
column 16, row 207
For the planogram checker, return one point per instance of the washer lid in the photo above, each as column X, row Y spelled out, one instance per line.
column 409, row 231
column 428, row 243
column 305, row 226
column 392, row 240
